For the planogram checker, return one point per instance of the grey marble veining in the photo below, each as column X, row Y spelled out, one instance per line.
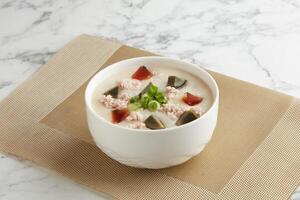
column 253, row 40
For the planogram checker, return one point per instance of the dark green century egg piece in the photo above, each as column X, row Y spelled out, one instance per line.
column 186, row 117
column 176, row 82
column 113, row 92
column 152, row 122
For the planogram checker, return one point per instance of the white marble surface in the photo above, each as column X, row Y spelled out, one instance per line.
column 254, row 40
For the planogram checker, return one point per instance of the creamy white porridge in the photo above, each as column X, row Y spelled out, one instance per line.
column 146, row 98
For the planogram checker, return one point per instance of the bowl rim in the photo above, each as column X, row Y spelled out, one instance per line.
column 89, row 104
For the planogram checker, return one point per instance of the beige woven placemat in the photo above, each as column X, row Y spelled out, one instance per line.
column 254, row 153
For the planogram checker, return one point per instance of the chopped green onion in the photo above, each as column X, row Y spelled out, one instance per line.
column 145, row 100
column 160, row 97
column 152, row 90
column 134, row 99
column 150, row 98
column 153, row 105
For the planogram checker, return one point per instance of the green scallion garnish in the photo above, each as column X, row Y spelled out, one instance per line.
column 150, row 98
column 153, row 105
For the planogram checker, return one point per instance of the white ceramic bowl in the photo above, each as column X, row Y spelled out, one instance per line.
column 152, row 148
